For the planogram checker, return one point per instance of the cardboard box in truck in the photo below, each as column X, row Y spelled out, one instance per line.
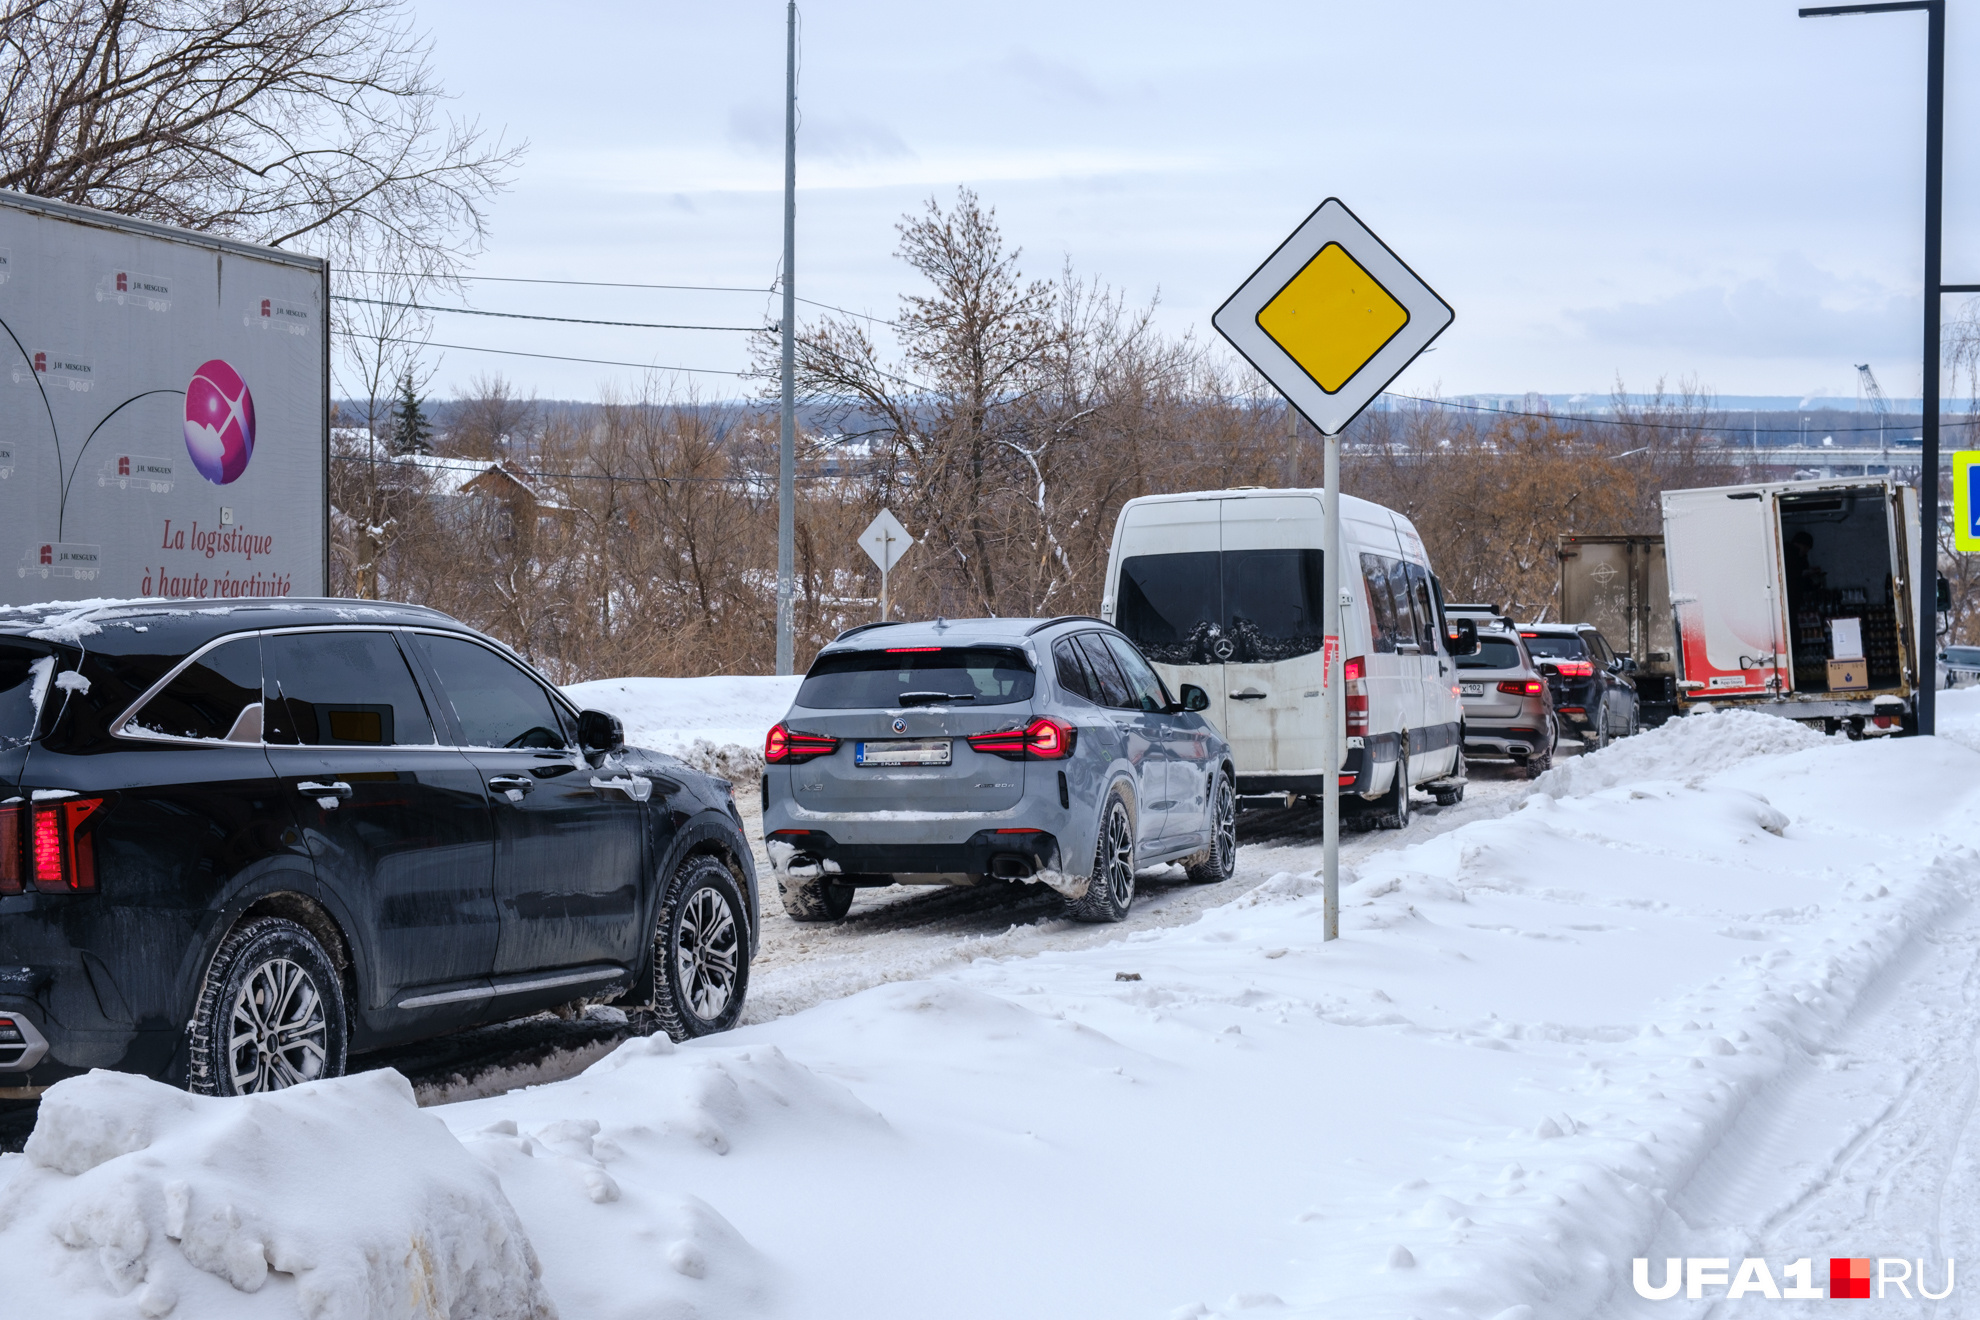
column 1767, row 581
column 1618, row 584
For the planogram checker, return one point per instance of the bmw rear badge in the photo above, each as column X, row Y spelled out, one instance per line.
column 900, row 725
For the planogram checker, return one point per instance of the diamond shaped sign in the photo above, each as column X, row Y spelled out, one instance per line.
column 1332, row 317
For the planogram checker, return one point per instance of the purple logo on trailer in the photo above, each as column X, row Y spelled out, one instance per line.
column 219, row 422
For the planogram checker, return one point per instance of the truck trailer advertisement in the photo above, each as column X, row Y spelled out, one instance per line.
column 164, row 402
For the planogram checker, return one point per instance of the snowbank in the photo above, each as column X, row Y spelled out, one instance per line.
column 336, row 1200
column 714, row 724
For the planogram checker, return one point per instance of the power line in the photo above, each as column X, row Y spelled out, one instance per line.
column 553, row 357
column 1729, row 427
column 463, row 464
column 528, row 316
column 587, row 284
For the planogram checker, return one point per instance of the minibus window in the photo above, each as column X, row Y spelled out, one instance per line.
column 1169, row 604
column 1381, row 605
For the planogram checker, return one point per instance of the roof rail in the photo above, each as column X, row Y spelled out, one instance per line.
column 1065, row 618
column 865, row 627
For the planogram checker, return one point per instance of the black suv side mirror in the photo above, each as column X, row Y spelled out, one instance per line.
column 1944, row 596
column 1194, row 697
column 599, row 732
column 1462, row 639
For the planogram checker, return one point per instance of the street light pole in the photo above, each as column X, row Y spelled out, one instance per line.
column 787, row 423
column 1925, row 578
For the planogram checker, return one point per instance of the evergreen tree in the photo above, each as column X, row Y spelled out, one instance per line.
column 411, row 432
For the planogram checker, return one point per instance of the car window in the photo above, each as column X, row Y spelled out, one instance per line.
column 26, row 669
column 1144, row 685
column 1424, row 608
column 931, row 675
column 1958, row 655
column 1261, row 605
column 1073, row 678
column 1382, row 620
column 1492, row 653
column 1106, row 672
column 496, row 702
column 340, row 688
column 1555, row 648
column 216, row 698
column 1598, row 646
column 1170, row 603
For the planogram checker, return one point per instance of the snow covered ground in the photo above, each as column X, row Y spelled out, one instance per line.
column 715, row 724
column 1712, row 992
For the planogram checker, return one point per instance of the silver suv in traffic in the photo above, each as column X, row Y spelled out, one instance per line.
column 970, row 751
column 1508, row 703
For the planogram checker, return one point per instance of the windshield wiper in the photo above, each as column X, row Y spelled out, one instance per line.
column 934, row 698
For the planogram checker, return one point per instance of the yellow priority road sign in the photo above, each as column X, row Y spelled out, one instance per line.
column 1332, row 317
column 1966, row 509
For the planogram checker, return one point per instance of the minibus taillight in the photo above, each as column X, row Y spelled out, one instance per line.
column 44, row 845
column 1356, row 690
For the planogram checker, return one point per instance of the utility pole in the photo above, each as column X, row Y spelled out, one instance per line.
column 787, row 425
column 1925, row 576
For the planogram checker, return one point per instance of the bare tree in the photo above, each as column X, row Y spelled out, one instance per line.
column 314, row 123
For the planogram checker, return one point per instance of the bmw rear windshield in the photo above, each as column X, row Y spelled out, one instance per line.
column 917, row 676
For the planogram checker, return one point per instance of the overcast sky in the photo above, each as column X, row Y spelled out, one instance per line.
column 1719, row 191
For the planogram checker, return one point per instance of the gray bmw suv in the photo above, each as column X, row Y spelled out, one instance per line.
column 965, row 751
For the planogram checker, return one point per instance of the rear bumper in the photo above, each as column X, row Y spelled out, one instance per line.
column 815, row 854
column 1512, row 741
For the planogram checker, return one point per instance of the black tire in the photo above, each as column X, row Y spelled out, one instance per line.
column 270, row 1013
column 815, row 900
column 1110, row 887
column 1218, row 862
column 1602, row 735
column 700, row 951
column 1393, row 811
column 1450, row 797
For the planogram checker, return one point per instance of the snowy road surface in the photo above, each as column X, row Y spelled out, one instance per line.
column 1710, row 993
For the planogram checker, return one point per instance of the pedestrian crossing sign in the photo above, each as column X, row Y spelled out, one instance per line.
column 1966, row 501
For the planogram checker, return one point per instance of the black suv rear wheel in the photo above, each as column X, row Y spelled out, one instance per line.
column 700, row 951
column 270, row 1012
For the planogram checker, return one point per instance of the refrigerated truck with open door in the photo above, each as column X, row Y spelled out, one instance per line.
column 1774, row 585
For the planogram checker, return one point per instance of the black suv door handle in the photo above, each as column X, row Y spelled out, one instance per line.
column 326, row 795
column 513, row 785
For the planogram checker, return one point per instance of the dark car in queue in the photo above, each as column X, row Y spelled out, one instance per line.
column 242, row 842
column 1594, row 693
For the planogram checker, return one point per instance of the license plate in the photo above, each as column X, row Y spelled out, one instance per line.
column 1473, row 689
column 928, row 751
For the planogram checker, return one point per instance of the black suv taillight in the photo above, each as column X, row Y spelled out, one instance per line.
column 1044, row 739
column 786, row 745
column 44, row 846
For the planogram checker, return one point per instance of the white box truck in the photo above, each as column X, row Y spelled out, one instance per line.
column 1797, row 598
column 155, row 439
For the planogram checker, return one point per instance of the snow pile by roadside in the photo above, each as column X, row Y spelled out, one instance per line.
column 337, row 1199
column 714, row 724
column 1477, row 1103
column 1690, row 750
column 1958, row 715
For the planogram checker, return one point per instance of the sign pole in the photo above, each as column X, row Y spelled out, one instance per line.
column 1331, row 687
column 886, row 553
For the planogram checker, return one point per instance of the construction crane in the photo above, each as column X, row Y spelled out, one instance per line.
column 1866, row 380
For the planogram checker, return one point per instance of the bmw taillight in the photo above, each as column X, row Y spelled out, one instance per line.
column 1531, row 687
column 44, row 846
column 1044, row 739
column 1355, row 686
column 786, row 745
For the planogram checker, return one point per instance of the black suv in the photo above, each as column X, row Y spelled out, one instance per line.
column 241, row 841
column 1594, row 688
